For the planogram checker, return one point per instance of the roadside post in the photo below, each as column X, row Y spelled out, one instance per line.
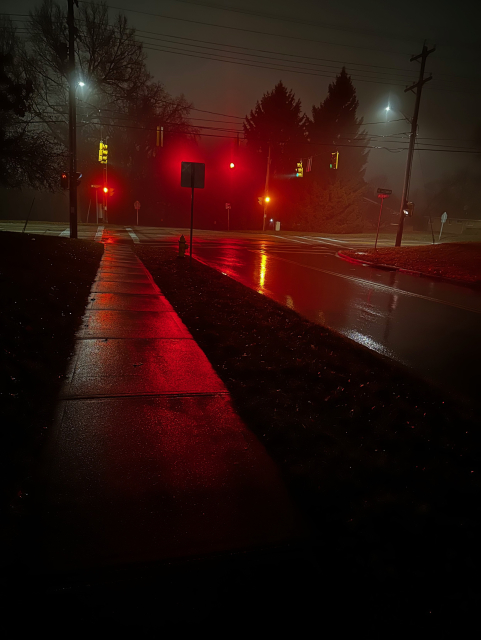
column 96, row 186
column 444, row 217
column 137, row 207
column 228, row 207
column 381, row 194
column 192, row 175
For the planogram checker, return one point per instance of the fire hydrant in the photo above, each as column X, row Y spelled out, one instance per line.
column 182, row 246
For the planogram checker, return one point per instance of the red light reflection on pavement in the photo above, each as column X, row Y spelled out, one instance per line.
column 149, row 461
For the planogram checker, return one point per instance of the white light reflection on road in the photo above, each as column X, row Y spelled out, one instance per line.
column 370, row 343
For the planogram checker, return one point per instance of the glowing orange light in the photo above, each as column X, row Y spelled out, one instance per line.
column 106, row 190
column 232, row 165
column 267, row 199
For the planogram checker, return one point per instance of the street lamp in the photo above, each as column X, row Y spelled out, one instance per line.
column 388, row 109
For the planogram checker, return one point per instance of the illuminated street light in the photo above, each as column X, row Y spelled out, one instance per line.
column 81, row 84
column 388, row 109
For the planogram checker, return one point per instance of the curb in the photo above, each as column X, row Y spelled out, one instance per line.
column 419, row 274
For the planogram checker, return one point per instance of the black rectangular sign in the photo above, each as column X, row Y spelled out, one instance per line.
column 198, row 169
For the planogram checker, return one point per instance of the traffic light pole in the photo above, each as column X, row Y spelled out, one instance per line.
column 266, row 187
column 72, row 121
column 412, row 138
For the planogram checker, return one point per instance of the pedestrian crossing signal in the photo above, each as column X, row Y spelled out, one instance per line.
column 334, row 160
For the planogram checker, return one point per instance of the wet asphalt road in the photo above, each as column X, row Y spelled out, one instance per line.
column 431, row 327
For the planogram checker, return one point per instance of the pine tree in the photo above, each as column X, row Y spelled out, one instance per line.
column 335, row 127
column 277, row 121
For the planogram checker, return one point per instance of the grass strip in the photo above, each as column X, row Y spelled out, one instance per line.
column 384, row 467
column 456, row 260
column 45, row 283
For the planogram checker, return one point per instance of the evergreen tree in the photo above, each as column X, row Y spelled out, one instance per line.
column 334, row 124
column 332, row 208
column 333, row 198
column 277, row 122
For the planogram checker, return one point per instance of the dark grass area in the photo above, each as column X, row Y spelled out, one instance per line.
column 458, row 260
column 45, row 282
column 385, row 468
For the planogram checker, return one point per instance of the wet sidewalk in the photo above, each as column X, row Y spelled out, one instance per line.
column 148, row 460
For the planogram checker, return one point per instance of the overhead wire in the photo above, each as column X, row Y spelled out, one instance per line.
column 229, row 60
column 292, row 55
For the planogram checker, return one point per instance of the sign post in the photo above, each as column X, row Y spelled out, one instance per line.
column 228, row 207
column 192, row 174
column 137, row 207
column 382, row 194
column 96, row 187
column 444, row 217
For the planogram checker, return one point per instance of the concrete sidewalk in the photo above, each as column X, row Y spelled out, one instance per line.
column 148, row 460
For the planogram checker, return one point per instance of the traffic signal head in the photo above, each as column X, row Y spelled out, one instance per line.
column 232, row 165
column 334, row 160
column 64, row 180
column 105, row 190
column 267, row 199
column 103, row 153
column 299, row 170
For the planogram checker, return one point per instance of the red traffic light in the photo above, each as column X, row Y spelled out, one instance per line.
column 232, row 165
column 105, row 190
column 64, row 180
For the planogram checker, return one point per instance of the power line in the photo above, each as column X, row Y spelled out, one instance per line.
column 263, row 33
column 264, row 57
column 406, row 71
column 242, row 62
column 318, row 144
column 293, row 55
column 290, row 19
column 258, row 66
column 167, row 102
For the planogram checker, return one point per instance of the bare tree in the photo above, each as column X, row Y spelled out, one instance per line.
column 28, row 155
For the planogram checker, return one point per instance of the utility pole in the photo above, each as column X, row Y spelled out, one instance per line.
column 72, row 120
column 412, row 138
column 266, row 187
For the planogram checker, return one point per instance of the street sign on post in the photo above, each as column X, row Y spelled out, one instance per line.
column 192, row 174
column 137, row 207
column 444, row 217
column 381, row 193
column 228, row 207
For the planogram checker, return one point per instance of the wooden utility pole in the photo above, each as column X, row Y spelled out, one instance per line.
column 412, row 139
column 72, row 120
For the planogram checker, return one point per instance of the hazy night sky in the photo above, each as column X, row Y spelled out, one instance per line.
column 366, row 37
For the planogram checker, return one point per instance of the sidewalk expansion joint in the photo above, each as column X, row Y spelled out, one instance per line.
column 187, row 394
column 107, row 338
